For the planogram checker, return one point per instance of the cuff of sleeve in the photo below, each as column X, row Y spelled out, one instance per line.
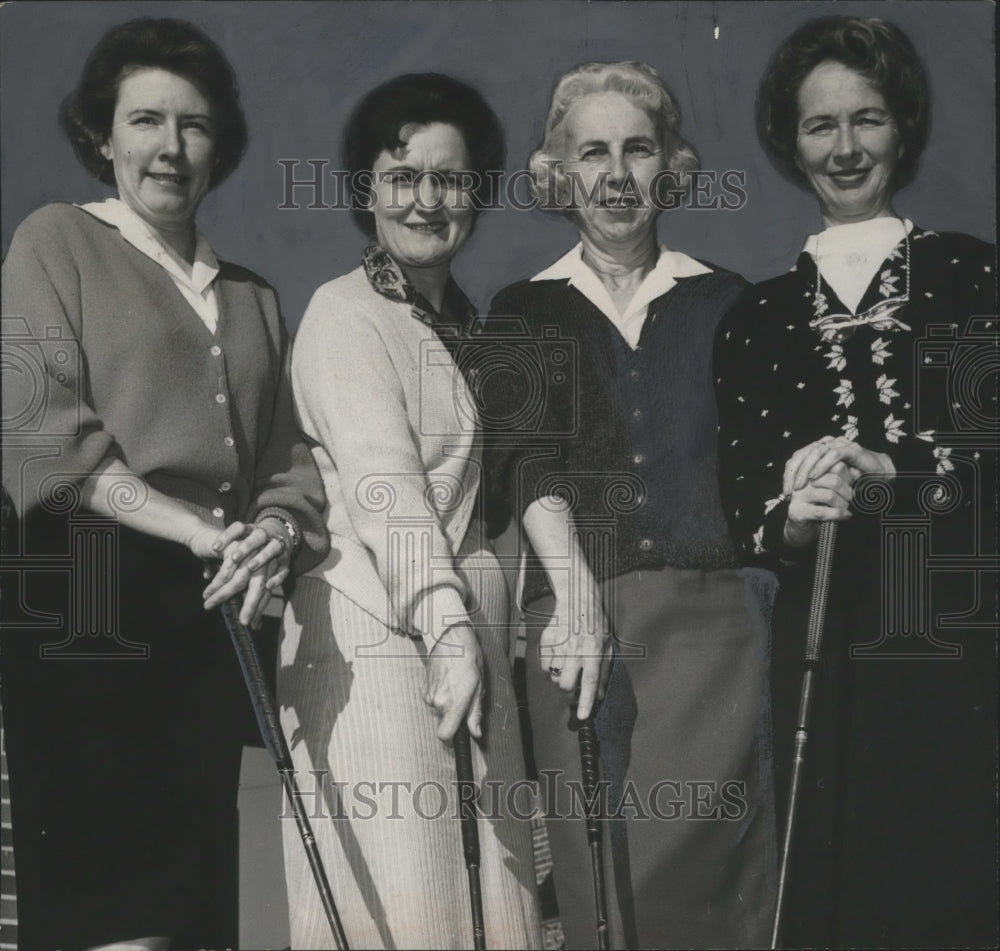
column 290, row 521
column 437, row 610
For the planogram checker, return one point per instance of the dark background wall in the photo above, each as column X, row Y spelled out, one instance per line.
column 303, row 65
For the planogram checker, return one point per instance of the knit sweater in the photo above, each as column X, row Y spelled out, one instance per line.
column 394, row 428
column 106, row 360
column 627, row 436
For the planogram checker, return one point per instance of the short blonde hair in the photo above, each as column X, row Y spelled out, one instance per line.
column 634, row 79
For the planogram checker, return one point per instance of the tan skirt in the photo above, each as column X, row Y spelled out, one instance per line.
column 385, row 816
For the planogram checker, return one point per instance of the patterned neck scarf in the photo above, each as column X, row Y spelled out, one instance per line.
column 387, row 277
column 454, row 326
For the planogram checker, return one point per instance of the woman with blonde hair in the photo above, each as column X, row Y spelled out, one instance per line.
column 632, row 590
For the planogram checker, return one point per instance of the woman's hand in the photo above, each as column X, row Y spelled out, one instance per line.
column 455, row 682
column 826, row 498
column 256, row 558
column 202, row 540
column 818, row 458
column 575, row 649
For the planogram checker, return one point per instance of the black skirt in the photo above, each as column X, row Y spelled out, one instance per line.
column 895, row 840
column 124, row 713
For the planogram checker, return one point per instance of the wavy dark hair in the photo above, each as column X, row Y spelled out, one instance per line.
column 879, row 51
column 419, row 99
column 175, row 46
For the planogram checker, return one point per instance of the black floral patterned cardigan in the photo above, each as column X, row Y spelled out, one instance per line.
column 895, row 843
column 781, row 384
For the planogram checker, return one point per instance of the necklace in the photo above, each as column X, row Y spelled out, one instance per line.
column 836, row 328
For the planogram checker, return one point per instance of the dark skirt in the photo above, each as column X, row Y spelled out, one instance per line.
column 123, row 709
column 895, row 830
column 690, row 859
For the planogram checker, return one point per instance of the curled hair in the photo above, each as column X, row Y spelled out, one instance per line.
column 419, row 99
column 633, row 79
column 876, row 50
column 175, row 46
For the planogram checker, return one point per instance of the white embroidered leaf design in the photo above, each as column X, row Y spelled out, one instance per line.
column 893, row 428
column 836, row 358
column 850, row 428
column 888, row 286
column 886, row 393
column 845, row 393
column 880, row 351
column 927, row 435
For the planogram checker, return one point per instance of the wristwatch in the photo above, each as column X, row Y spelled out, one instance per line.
column 293, row 541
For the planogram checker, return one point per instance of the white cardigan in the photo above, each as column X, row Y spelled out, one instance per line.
column 394, row 427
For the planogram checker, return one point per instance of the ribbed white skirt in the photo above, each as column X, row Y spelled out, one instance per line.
column 386, row 812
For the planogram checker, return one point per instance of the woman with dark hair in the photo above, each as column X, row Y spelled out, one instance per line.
column 632, row 584
column 826, row 376
column 400, row 636
column 148, row 426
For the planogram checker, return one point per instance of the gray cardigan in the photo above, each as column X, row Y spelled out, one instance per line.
column 112, row 363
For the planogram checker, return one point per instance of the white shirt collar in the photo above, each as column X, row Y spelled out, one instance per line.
column 670, row 266
column 859, row 235
column 138, row 233
column 849, row 256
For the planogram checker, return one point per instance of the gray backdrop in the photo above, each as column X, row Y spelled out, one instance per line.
column 303, row 65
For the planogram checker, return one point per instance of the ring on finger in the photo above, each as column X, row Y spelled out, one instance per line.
column 555, row 671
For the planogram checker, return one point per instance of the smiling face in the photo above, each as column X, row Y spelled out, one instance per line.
column 422, row 214
column 847, row 144
column 162, row 146
column 608, row 138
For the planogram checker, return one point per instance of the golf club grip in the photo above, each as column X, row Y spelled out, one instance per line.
column 821, row 587
column 256, row 683
column 467, row 796
column 587, row 737
column 470, row 831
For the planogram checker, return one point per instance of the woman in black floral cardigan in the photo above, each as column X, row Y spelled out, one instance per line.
column 850, row 366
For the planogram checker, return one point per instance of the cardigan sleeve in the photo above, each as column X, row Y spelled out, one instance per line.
column 286, row 477
column 527, row 412
column 352, row 401
column 51, row 433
